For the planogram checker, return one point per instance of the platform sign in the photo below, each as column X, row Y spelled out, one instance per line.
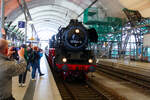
column 146, row 40
column 21, row 24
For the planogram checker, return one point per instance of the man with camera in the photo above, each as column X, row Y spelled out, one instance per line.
column 8, row 69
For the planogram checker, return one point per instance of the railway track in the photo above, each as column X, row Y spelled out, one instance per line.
column 83, row 90
column 135, row 78
column 78, row 90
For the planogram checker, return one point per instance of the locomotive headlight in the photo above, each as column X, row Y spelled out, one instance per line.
column 64, row 60
column 77, row 31
column 90, row 61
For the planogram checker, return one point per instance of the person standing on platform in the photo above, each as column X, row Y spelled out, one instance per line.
column 40, row 54
column 8, row 69
column 22, row 77
column 35, row 62
column 29, row 56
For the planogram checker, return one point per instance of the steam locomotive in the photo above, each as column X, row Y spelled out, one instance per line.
column 69, row 53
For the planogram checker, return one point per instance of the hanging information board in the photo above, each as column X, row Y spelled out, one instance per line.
column 21, row 24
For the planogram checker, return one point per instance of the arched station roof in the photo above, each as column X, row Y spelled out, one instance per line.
column 49, row 15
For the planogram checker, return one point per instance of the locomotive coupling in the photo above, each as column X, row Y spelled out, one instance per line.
column 65, row 68
column 92, row 69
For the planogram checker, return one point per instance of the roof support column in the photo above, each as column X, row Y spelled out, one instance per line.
column 22, row 6
column 25, row 10
column 25, row 35
column 2, row 17
column 29, row 18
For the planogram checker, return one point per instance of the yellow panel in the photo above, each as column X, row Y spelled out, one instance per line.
column 131, row 3
column 145, row 12
column 142, row 5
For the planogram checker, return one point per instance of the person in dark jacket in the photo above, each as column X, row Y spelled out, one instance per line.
column 22, row 77
column 40, row 54
column 8, row 69
column 35, row 62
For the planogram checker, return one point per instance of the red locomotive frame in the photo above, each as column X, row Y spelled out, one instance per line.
column 78, row 70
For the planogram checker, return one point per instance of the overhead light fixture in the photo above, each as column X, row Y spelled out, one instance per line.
column 30, row 22
column 32, row 38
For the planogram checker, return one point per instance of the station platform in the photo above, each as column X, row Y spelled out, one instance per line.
column 142, row 68
column 43, row 88
column 121, row 88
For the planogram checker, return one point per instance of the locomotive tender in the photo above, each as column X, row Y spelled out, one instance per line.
column 69, row 53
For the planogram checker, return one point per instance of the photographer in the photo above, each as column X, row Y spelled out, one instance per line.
column 8, row 69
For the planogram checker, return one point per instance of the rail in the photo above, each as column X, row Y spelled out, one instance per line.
column 126, row 75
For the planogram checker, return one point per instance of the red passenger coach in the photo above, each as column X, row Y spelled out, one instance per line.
column 51, row 55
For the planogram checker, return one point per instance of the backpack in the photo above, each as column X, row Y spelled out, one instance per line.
column 34, row 57
column 30, row 55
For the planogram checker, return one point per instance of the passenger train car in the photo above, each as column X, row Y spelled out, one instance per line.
column 69, row 53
